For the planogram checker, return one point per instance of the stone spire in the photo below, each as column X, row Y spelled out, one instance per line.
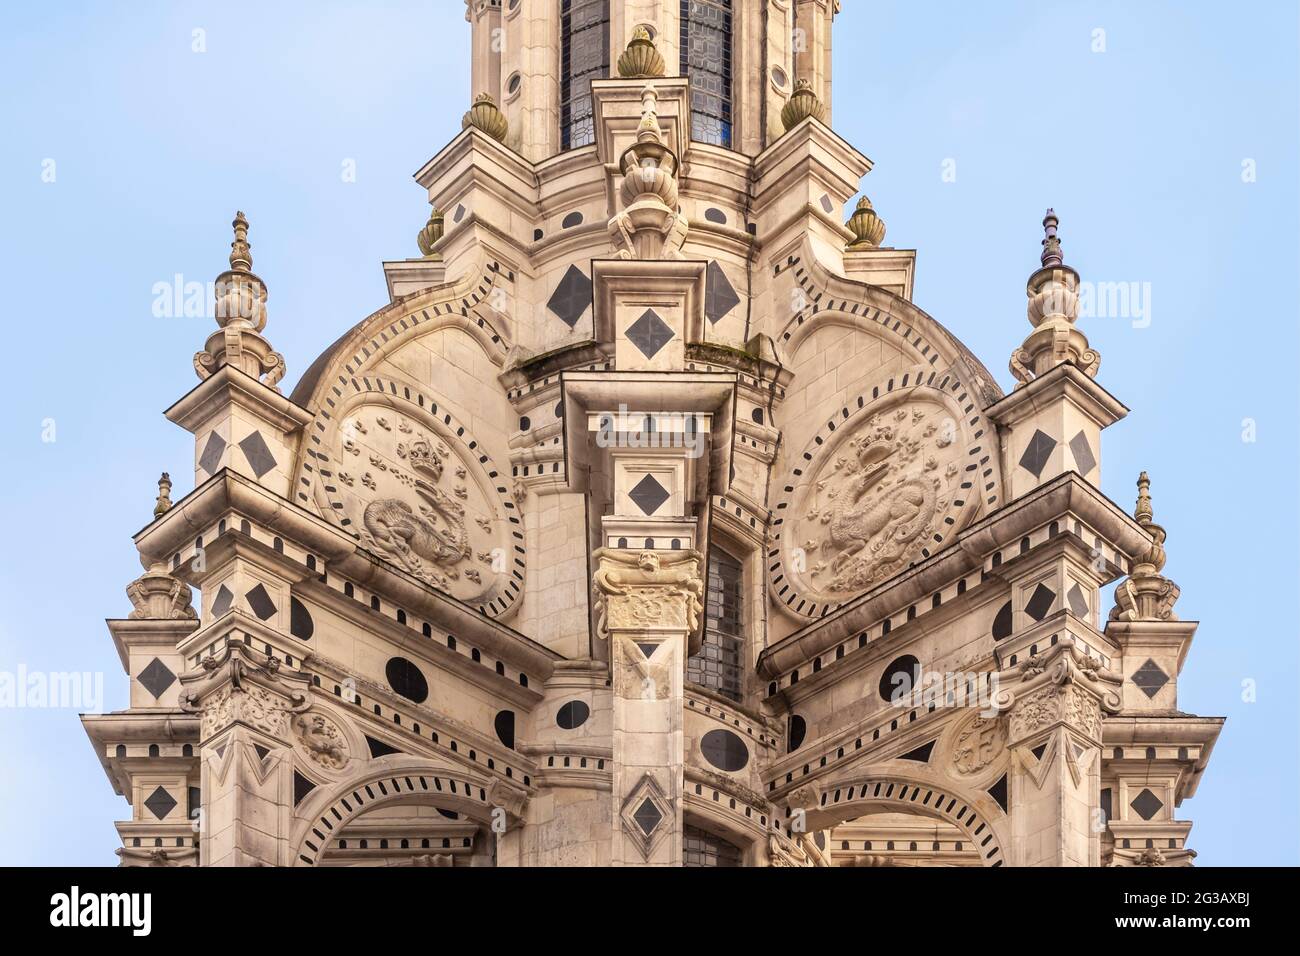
column 241, row 316
column 1053, row 310
column 649, row 225
column 1146, row 595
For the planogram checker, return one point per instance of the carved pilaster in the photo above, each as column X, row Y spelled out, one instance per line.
column 246, row 702
column 1054, row 705
column 648, row 605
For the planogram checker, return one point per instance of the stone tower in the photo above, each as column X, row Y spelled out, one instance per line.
column 650, row 522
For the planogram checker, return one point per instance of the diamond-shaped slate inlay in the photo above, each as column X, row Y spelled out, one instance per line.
column 160, row 803
column 212, row 452
column 1084, row 459
column 156, row 678
column 647, row 816
column 260, row 602
column 719, row 297
column 1078, row 603
column 1040, row 447
column 259, row 456
column 649, row 495
column 649, row 333
column 222, row 602
column 571, row 297
column 1150, row 678
column 1146, row 804
column 1040, row 602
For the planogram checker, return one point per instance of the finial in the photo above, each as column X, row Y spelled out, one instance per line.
column 1051, row 257
column 640, row 60
column 430, row 234
column 1143, row 511
column 803, row 103
column 484, row 115
column 867, row 227
column 241, row 259
column 164, row 503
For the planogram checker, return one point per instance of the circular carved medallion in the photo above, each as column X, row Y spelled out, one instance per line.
column 879, row 490
column 421, row 495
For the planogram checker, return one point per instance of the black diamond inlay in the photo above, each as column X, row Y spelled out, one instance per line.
column 647, row 816
column 378, row 748
column 1084, row 459
column 1040, row 602
column 719, row 297
column 160, row 803
column 301, row 787
column 212, row 452
column 259, row 456
column 648, row 648
column 1078, row 603
column 649, row 495
column 571, row 297
column 921, row 754
column 260, row 602
column 1034, row 460
column 649, row 333
column 222, row 602
column 157, row 677
column 1146, row 804
column 826, row 203
column 1150, row 678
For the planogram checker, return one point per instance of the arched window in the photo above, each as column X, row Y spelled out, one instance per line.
column 706, row 59
column 701, row 848
column 584, row 53
column 718, row 664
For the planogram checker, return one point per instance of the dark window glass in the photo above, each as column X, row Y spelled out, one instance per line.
column 701, row 848
column 584, row 55
column 718, row 664
column 706, row 59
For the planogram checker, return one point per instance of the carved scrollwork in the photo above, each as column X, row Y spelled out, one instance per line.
column 646, row 591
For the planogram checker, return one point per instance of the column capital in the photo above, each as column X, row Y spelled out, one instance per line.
column 1063, row 686
column 243, row 686
column 647, row 592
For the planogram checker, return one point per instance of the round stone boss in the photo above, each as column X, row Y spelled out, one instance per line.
column 884, row 484
column 417, row 490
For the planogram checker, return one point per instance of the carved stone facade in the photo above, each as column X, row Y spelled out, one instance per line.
column 652, row 399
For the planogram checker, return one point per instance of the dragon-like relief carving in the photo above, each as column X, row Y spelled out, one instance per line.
column 417, row 500
column 321, row 740
column 875, row 501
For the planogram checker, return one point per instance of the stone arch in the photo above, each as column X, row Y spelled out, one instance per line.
column 385, row 782
column 885, row 792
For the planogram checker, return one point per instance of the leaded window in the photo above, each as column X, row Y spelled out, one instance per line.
column 584, row 52
column 706, row 59
column 701, row 848
column 718, row 663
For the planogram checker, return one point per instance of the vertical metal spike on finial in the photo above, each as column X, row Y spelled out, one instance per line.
column 164, row 503
column 1051, row 244
column 1143, row 512
column 241, row 258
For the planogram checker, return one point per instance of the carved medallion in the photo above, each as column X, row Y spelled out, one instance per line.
column 420, row 495
column 980, row 743
column 881, row 491
column 321, row 740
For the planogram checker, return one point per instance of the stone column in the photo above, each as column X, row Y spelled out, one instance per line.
column 245, row 700
column 1054, row 704
column 649, row 606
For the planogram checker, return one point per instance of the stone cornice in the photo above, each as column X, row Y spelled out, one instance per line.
column 343, row 555
column 1068, row 493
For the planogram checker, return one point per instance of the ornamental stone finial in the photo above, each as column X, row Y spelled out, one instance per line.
column 803, row 103
column 164, row 503
column 1053, row 309
column 649, row 226
column 867, row 227
column 1147, row 595
column 641, row 59
column 484, row 115
column 430, row 234
column 241, row 257
column 1051, row 244
column 241, row 316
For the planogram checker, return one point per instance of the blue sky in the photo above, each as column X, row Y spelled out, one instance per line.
column 1141, row 149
